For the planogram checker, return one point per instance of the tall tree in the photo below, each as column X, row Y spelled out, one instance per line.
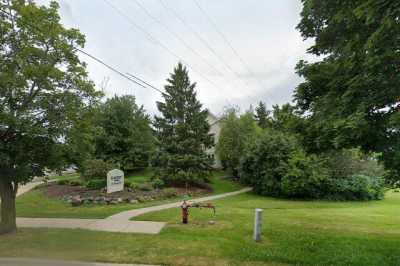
column 124, row 134
column 237, row 134
column 352, row 95
column 183, row 132
column 43, row 90
column 262, row 115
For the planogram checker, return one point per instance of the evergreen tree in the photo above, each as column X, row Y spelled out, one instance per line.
column 262, row 115
column 183, row 133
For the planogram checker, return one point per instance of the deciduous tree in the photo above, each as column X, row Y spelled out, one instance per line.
column 43, row 90
column 352, row 95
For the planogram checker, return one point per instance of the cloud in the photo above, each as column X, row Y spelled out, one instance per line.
column 262, row 33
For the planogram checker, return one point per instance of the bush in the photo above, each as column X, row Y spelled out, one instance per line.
column 358, row 187
column 277, row 166
column 158, row 183
column 266, row 162
column 145, row 187
column 62, row 182
column 70, row 182
column 96, row 184
column 95, row 169
column 170, row 192
column 305, row 178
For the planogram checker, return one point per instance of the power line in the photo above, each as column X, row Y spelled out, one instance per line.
column 156, row 41
column 176, row 36
column 182, row 20
column 227, row 42
column 109, row 67
column 148, row 84
column 126, row 76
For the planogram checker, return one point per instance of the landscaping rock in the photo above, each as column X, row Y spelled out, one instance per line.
column 119, row 200
column 133, row 201
column 211, row 222
column 76, row 201
column 114, row 202
column 107, row 200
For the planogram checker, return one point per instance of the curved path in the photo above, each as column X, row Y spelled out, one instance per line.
column 119, row 222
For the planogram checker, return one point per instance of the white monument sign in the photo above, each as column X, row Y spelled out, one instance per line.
column 115, row 181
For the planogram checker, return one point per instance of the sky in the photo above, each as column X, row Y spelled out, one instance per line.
column 238, row 52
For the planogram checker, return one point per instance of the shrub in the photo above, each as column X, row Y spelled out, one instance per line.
column 145, row 187
column 170, row 192
column 358, row 187
column 62, row 182
column 158, row 183
column 266, row 162
column 75, row 183
column 277, row 166
column 96, row 184
column 305, row 178
column 95, row 169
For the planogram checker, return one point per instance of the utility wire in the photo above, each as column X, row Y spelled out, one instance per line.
column 148, row 84
column 156, row 41
column 110, row 67
column 211, row 49
column 127, row 76
column 227, row 42
column 158, row 21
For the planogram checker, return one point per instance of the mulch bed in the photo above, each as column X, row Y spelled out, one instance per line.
column 53, row 190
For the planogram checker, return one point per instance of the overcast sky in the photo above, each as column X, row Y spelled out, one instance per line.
column 266, row 46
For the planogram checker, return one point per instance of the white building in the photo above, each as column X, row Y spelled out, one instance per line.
column 215, row 129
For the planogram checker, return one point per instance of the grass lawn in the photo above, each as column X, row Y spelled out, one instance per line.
column 35, row 204
column 294, row 233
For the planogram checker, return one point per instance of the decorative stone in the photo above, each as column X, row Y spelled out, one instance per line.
column 211, row 222
column 76, row 201
column 133, row 201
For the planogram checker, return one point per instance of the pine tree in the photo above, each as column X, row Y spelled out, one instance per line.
column 262, row 115
column 182, row 131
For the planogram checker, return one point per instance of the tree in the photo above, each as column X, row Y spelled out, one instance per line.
column 183, row 133
column 352, row 95
column 43, row 91
column 124, row 135
column 262, row 115
column 237, row 134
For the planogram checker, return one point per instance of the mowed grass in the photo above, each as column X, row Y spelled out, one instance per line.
column 35, row 204
column 294, row 233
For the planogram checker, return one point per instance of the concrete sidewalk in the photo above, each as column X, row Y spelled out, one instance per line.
column 47, row 262
column 27, row 187
column 119, row 222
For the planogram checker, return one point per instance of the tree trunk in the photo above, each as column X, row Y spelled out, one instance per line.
column 8, row 191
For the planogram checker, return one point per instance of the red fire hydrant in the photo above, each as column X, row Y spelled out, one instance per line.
column 185, row 209
column 185, row 212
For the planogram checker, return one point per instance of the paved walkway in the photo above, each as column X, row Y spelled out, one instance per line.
column 27, row 187
column 119, row 222
column 47, row 262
